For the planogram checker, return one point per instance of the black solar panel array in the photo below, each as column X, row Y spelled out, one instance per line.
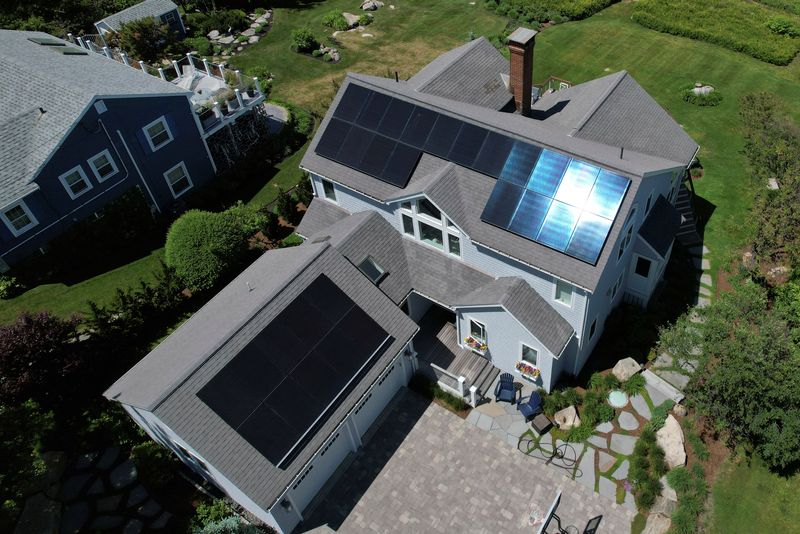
column 285, row 381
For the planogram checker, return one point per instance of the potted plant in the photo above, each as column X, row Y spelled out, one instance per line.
column 527, row 370
column 476, row 344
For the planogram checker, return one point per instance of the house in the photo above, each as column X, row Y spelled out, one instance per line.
column 477, row 228
column 79, row 129
column 164, row 11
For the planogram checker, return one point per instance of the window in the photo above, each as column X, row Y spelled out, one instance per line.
column 563, row 293
column 454, row 245
column 643, row 267
column 431, row 235
column 612, row 291
column 625, row 241
column 372, row 270
column 18, row 218
column 178, row 179
column 592, row 329
column 424, row 207
column 449, row 224
column 75, row 182
column 647, row 206
column 408, row 225
column 103, row 166
column 329, row 190
column 169, row 17
column 157, row 133
column 405, row 206
column 477, row 331
column 529, row 354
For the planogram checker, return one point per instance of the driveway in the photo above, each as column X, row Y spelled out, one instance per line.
column 426, row 470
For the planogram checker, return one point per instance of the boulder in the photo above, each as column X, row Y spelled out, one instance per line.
column 255, row 25
column 352, row 20
column 228, row 39
column 253, row 39
column 670, row 438
column 335, row 55
column 213, row 34
column 567, row 418
column 371, row 5
column 40, row 514
column 749, row 260
column 626, row 368
column 249, row 32
column 679, row 410
column 657, row 524
column 664, row 506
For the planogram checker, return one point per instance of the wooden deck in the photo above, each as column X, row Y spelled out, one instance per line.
column 437, row 343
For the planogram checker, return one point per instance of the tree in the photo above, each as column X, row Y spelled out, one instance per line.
column 37, row 353
column 144, row 39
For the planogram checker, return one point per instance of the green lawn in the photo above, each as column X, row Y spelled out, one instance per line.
column 748, row 498
column 404, row 39
column 64, row 300
column 288, row 176
column 610, row 41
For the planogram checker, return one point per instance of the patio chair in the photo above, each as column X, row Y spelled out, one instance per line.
column 531, row 408
column 504, row 390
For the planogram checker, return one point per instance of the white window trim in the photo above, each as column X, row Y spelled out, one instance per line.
column 636, row 260
column 440, row 224
column 451, row 235
column 591, row 334
column 418, row 235
column 113, row 163
column 522, row 346
column 470, row 320
column 28, row 212
column 324, row 196
column 169, row 16
column 163, row 120
column 571, row 293
column 188, row 177
column 85, row 178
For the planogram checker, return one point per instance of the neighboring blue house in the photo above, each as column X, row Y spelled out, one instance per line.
column 162, row 10
column 78, row 130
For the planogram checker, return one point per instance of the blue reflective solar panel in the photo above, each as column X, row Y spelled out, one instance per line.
column 607, row 195
column 558, row 225
column 589, row 237
column 546, row 177
column 519, row 163
column 577, row 183
column 502, row 204
column 530, row 214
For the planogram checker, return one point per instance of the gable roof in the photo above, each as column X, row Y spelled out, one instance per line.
column 38, row 76
column 167, row 380
column 318, row 217
column 148, row 8
column 471, row 73
column 661, row 225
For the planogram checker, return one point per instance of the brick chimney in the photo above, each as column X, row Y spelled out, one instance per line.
column 520, row 45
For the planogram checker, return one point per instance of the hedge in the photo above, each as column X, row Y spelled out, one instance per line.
column 736, row 25
column 533, row 12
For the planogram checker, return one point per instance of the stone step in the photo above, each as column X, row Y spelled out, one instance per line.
column 705, row 279
column 662, row 386
column 702, row 264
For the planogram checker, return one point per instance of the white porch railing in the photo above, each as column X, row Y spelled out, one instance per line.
column 449, row 382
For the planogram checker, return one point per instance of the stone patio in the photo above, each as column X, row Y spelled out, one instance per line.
column 426, row 470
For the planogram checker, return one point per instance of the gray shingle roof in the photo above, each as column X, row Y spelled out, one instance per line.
column 148, row 8
column 528, row 307
column 661, row 225
column 470, row 73
column 319, row 216
column 37, row 76
column 216, row 333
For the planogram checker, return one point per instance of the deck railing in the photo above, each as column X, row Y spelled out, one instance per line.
column 450, row 382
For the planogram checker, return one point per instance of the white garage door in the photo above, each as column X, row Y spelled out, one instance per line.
column 377, row 399
column 315, row 475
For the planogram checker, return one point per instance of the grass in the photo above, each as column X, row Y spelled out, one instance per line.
column 288, row 176
column 65, row 300
column 610, row 41
column 747, row 497
column 405, row 39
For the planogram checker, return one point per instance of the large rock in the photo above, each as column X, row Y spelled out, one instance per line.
column 352, row 20
column 567, row 418
column 626, row 368
column 371, row 5
column 228, row 39
column 670, row 438
column 213, row 34
column 40, row 515
column 657, row 524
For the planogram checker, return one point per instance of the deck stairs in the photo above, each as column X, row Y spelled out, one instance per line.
column 687, row 233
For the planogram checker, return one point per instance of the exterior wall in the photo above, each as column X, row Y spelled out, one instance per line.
column 176, row 24
column 118, row 130
column 417, row 306
column 504, row 337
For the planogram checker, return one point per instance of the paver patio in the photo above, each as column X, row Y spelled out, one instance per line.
column 427, row 470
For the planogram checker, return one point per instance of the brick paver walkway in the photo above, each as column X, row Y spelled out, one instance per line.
column 426, row 470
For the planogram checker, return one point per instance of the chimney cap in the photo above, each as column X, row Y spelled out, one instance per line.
column 522, row 36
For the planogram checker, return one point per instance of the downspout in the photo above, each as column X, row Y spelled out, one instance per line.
column 139, row 171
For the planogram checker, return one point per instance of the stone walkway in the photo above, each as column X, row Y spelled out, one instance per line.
column 426, row 470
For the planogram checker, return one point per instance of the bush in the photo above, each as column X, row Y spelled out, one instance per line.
column 144, row 39
column 558, row 400
column 260, row 11
column 783, row 26
column 155, row 464
column 210, row 512
column 286, row 206
column 233, row 525
column 365, row 19
column 316, row 52
column 680, row 479
column 204, row 247
column 335, row 20
column 9, row 287
column 714, row 98
column 327, row 57
column 634, row 385
column 305, row 192
column 201, row 45
column 201, row 24
column 605, row 413
column 303, row 40
column 659, row 417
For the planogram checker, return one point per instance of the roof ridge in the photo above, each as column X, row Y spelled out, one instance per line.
column 589, row 114
column 457, row 57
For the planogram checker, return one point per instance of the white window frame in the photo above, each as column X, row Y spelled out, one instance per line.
column 18, row 232
column 522, row 346
column 80, row 171
column 443, row 224
column 113, row 163
column 424, row 216
column 185, row 172
column 162, row 120
column 169, row 17
column 335, row 198
column 636, row 258
column 593, row 328
column 470, row 320
column 456, row 237
column 615, row 288
column 571, row 293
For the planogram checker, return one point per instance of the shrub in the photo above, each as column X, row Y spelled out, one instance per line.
column 680, row 479
column 201, row 45
column 286, row 206
column 9, row 287
column 647, row 492
column 365, row 19
column 305, row 192
column 327, row 57
column 596, row 381
column 335, row 20
column 605, row 413
column 316, row 52
column 260, row 11
column 155, row 464
column 660, row 414
column 233, row 525
column 144, row 39
column 634, row 385
column 714, row 98
column 242, row 39
column 783, row 26
column 203, row 23
column 610, row 382
column 204, row 247
column 210, row 512
column 303, row 40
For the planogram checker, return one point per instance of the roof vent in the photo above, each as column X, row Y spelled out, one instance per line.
column 69, row 51
column 42, row 111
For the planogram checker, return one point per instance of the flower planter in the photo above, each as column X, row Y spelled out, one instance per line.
column 476, row 345
column 527, row 371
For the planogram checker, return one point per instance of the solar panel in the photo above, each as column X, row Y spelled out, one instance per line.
column 493, row 154
column 373, row 111
column 354, row 146
column 377, row 155
column 520, row 163
column 331, row 139
column 351, row 102
column 400, row 165
column 286, row 381
column 419, row 126
column 443, row 135
column 395, row 119
column 467, row 144
column 530, row 214
column 502, row 204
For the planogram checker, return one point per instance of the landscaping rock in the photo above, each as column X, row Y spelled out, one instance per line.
column 255, row 25
column 106, row 522
column 657, row 524
column 622, row 444
column 371, row 5
column 134, row 526
column 663, row 506
column 108, row 458
column 605, row 461
column 663, row 360
column 628, row 421
column 585, row 472
column 367, row 35
column 213, row 34
column 335, row 55
column 253, row 39
column 608, row 488
column 249, row 32
column 670, row 438
column 228, row 39
column 626, row 368
column 679, row 410
column 604, row 427
column 123, row 475
column 621, row 472
column 352, row 20
column 567, row 418
column 599, row 442
column 40, row 515
column 75, row 517
column 667, row 491
column 641, row 407
column 630, row 502
column 676, row 379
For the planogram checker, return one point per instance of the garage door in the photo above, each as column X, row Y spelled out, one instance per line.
column 315, row 475
column 377, row 399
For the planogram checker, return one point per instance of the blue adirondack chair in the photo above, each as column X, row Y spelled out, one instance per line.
column 504, row 390
column 531, row 408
